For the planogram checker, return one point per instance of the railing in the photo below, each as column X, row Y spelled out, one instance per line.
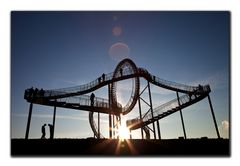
column 162, row 82
column 80, row 88
column 169, row 106
column 85, row 87
column 94, row 126
column 108, row 77
column 85, row 100
column 174, row 84
column 159, row 110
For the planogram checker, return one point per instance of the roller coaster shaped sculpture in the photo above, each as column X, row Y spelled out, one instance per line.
column 76, row 98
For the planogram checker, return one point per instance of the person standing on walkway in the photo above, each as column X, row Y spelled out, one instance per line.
column 103, row 77
column 92, row 99
column 43, row 132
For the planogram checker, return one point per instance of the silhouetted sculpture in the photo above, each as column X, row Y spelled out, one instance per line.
column 92, row 99
column 103, row 77
column 121, row 72
column 51, row 130
column 43, row 132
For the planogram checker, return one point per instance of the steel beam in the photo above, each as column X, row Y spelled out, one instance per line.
column 130, row 133
column 110, row 116
column 140, row 113
column 184, row 132
column 214, row 119
column 158, row 128
column 98, row 125
column 54, row 118
column 150, row 99
column 110, row 126
column 114, row 126
column 29, row 120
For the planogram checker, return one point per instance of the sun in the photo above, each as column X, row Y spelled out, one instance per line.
column 123, row 132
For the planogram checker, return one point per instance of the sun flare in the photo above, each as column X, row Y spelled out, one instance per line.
column 123, row 132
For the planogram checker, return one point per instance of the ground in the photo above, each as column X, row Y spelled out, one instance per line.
column 130, row 148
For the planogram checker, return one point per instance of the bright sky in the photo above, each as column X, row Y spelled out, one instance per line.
column 52, row 50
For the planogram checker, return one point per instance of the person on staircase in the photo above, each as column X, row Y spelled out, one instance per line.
column 92, row 99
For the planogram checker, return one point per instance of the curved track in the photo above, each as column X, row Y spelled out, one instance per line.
column 75, row 98
column 123, row 69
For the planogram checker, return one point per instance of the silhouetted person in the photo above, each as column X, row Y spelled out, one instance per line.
column 99, row 80
column 121, row 72
column 41, row 92
column 103, row 77
column 35, row 92
column 92, row 99
column 43, row 132
column 154, row 78
column 51, row 130
column 31, row 91
column 190, row 96
column 26, row 93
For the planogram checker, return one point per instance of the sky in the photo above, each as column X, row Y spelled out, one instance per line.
column 53, row 50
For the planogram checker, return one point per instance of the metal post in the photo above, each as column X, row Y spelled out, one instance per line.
column 54, row 117
column 114, row 126
column 184, row 132
column 29, row 120
column 150, row 98
column 98, row 125
column 158, row 128
column 130, row 132
column 214, row 119
column 110, row 126
column 117, row 119
column 110, row 116
column 140, row 113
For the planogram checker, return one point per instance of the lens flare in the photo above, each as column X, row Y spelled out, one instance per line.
column 119, row 51
column 123, row 132
column 117, row 31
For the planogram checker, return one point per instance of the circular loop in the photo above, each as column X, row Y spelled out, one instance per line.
column 128, row 69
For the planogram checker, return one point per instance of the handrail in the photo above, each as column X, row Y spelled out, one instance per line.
column 76, row 90
column 169, row 106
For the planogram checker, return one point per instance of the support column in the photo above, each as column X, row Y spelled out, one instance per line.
column 158, row 128
column 54, row 117
column 114, row 127
column 150, row 98
column 214, row 119
column 98, row 125
column 140, row 113
column 110, row 126
column 130, row 132
column 110, row 106
column 29, row 120
column 184, row 132
column 117, row 121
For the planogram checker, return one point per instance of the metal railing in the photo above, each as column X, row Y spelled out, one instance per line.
column 160, row 110
column 94, row 126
